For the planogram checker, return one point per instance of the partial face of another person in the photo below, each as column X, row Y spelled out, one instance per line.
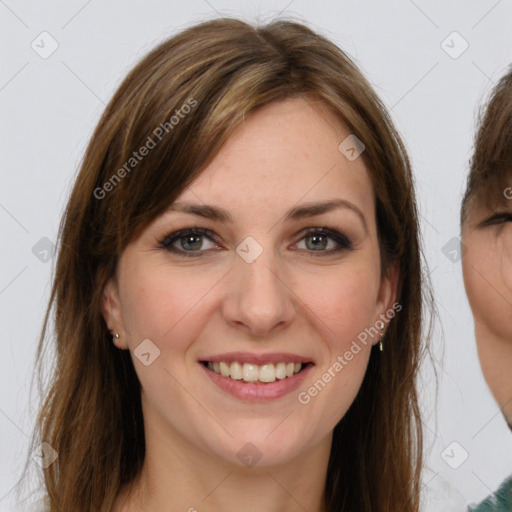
column 256, row 284
column 487, row 268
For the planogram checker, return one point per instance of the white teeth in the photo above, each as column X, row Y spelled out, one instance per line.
column 250, row 372
column 224, row 369
column 267, row 373
column 235, row 371
column 281, row 371
column 253, row 372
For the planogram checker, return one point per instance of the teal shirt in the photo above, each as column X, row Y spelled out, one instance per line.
column 500, row 501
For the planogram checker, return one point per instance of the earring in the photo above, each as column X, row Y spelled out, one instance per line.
column 381, row 335
column 115, row 336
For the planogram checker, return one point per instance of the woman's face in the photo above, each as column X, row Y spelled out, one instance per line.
column 256, row 288
column 487, row 268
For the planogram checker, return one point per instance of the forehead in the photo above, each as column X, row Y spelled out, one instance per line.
column 284, row 153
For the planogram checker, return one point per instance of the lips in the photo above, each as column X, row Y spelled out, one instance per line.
column 256, row 377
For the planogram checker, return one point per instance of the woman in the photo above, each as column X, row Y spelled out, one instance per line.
column 238, row 292
column 487, row 262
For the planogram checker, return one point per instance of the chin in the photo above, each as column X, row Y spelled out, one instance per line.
column 260, row 451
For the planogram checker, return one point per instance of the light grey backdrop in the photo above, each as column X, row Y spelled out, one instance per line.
column 50, row 103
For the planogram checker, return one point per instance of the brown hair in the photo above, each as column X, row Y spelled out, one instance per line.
column 491, row 164
column 92, row 412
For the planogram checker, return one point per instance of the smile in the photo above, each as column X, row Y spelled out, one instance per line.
column 248, row 372
column 252, row 377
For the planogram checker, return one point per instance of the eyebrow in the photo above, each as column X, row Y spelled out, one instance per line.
column 299, row 212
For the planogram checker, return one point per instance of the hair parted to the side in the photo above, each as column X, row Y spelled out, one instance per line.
column 490, row 170
column 91, row 413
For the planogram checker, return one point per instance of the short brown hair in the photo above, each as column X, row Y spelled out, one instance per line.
column 491, row 163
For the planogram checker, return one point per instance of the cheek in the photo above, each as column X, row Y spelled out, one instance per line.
column 495, row 356
column 505, row 262
column 165, row 305
column 342, row 310
column 345, row 301
column 488, row 281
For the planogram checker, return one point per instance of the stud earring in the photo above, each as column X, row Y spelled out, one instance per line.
column 381, row 335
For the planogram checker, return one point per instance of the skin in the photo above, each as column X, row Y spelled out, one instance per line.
column 287, row 300
column 487, row 270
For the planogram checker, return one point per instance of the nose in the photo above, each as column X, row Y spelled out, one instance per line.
column 258, row 299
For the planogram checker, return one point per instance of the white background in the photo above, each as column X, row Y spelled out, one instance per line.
column 49, row 108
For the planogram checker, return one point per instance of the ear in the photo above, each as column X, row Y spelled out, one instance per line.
column 111, row 311
column 387, row 293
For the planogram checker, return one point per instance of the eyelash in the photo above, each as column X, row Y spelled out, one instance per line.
column 498, row 219
column 344, row 243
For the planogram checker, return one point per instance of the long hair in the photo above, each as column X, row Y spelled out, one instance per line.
column 222, row 70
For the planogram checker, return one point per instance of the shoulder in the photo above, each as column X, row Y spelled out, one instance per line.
column 500, row 501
